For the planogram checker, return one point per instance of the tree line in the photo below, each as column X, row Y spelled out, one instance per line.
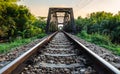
column 16, row 20
column 103, row 23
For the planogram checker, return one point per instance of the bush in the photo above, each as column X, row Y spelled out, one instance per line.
column 41, row 35
column 83, row 34
column 100, row 39
column 95, row 38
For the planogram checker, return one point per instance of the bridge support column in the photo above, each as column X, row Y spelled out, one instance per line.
column 48, row 21
column 72, row 21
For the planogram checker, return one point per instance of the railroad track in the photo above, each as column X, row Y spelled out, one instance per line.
column 59, row 54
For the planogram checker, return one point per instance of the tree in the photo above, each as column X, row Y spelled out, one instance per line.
column 101, row 23
column 16, row 20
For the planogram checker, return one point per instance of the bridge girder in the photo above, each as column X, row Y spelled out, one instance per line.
column 68, row 17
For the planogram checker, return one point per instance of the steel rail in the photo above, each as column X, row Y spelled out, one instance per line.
column 103, row 66
column 8, row 69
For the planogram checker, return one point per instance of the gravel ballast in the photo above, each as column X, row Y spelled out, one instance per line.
column 102, row 52
column 16, row 52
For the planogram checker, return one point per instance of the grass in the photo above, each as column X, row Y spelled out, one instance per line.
column 5, row 47
column 101, row 40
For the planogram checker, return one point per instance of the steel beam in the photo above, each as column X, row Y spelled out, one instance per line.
column 67, row 17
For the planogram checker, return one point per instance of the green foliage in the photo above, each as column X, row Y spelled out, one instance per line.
column 8, row 0
column 101, row 40
column 94, row 38
column 113, row 47
column 40, row 23
column 41, row 35
column 101, row 28
column 103, row 23
column 6, row 47
column 83, row 35
column 17, row 21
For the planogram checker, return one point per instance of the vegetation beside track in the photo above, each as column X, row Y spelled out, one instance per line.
column 17, row 21
column 6, row 47
column 18, row 26
column 101, row 28
column 100, row 40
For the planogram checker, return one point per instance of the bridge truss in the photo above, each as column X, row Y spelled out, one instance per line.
column 54, row 17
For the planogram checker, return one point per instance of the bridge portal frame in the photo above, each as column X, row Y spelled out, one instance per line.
column 67, row 11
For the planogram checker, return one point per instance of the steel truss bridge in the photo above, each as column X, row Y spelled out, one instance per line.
column 60, row 18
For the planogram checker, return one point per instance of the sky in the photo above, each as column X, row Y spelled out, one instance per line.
column 80, row 7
